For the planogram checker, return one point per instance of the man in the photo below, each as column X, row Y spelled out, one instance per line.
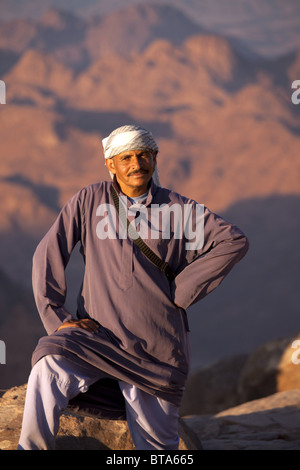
column 131, row 327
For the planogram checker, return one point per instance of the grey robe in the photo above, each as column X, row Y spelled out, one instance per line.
column 143, row 334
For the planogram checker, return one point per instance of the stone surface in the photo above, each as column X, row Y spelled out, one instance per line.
column 270, row 423
column 77, row 432
column 267, row 381
column 272, row 367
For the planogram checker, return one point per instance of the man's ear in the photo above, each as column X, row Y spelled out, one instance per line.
column 109, row 162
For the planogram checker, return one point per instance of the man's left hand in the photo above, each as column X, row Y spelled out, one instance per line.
column 85, row 323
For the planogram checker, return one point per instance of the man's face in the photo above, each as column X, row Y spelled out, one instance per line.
column 133, row 170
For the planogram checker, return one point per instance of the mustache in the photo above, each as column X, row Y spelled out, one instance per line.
column 138, row 172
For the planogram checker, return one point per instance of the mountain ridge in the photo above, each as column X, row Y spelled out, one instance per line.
column 270, row 28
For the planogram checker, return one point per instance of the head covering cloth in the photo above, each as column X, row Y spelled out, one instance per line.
column 127, row 138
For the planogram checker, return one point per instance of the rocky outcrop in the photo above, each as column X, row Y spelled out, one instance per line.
column 213, row 416
column 271, row 423
column 270, row 368
column 77, row 431
column 250, row 401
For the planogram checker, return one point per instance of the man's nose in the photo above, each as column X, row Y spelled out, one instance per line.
column 136, row 161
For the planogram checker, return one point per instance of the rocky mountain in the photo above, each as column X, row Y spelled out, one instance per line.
column 131, row 30
column 269, row 27
column 78, row 42
column 228, row 136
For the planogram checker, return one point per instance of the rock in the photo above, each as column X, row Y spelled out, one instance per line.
column 77, row 432
column 11, row 413
column 271, row 368
column 213, row 388
column 270, row 423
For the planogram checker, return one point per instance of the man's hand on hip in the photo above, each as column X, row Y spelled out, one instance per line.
column 85, row 323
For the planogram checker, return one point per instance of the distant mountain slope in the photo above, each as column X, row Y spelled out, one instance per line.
column 79, row 42
column 132, row 29
column 225, row 121
column 268, row 27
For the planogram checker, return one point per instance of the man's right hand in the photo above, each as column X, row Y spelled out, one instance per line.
column 85, row 323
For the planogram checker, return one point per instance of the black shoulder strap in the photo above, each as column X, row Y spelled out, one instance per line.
column 162, row 265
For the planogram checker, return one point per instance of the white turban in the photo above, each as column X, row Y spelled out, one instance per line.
column 127, row 138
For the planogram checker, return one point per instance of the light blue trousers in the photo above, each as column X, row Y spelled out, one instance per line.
column 53, row 381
